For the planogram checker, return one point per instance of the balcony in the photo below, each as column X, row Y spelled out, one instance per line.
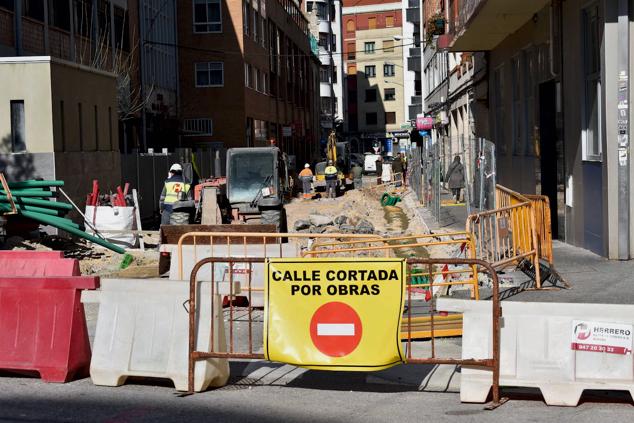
column 413, row 15
column 413, row 64
column 477, row 25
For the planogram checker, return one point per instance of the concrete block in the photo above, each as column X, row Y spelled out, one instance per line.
column 536, row 349
column 142, row 330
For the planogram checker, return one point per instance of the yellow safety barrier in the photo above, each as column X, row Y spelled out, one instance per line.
column 507, row 235
column 443, row 278
column 541, row 208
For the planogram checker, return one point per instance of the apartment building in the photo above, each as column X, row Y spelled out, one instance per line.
column 134, row 39
column 325, row 25
column 373, row 44
column 248, row 75
column 557, row 108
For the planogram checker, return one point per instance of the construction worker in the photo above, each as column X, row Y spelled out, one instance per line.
column 306, row 176
column 175, row 189
column 331, row 179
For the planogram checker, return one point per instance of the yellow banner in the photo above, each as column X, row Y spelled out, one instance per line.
column 334, row 313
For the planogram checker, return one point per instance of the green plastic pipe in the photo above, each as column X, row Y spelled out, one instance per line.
column 45, row 219
column 35, row 184
column 53, row 219
column 29, row 193
column 37, row 202
column 6, row 207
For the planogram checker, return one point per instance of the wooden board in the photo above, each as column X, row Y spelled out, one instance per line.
column 170, row 234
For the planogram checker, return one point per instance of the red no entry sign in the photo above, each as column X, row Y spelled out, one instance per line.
column 336, row 329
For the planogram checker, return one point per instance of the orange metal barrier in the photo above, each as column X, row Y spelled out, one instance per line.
column 274, row 243
column 506, row 235
column 244, row 324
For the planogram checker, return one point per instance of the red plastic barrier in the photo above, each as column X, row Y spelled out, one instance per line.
column 28, row 254
column 38, row 267
column 43, row 326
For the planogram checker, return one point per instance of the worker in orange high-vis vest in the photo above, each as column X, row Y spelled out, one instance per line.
column 306, row 176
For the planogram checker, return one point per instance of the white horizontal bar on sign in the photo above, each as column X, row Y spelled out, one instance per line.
column 335, row 329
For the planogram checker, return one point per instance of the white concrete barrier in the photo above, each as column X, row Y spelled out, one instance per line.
column 551, row 346
column 191, row 255
column 143, row 330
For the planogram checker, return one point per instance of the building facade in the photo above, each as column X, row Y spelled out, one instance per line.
column 325, row 25
column 557, row 108
column 134, row 39
column 375, row 75
column 50, row 129
column 247, row 75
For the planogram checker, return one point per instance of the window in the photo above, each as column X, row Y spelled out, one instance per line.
column 370, row 71
column 121, row 28
column 258, row 80
column 389, row 21
column 334, row 43
column 207, row 16
column 255, row 29
column 309, row 6
column 370, row 118
column 197, row 127
column 324, row 73
column 263, row 32
column 210, row 74
column 592, row 138
column 371, row 23
column 352, row 69
column 516, row 106
column 246, row 17
column 388, row 70
column 390, row 118
column 350, row 26
column 390, row 94
column 351, row 51
column 388, row 46
column 58, row 13
column 322, row 11
column 323, row 40
column 368, row 48
column 370, row 95
column 18, row 136
column 7, row 4
column 34, row 9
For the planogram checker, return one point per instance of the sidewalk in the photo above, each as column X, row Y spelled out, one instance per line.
column 594, row 279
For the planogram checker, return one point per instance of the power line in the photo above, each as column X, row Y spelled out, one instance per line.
column 237, row 53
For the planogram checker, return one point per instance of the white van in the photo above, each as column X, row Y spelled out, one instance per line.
column 369, row 162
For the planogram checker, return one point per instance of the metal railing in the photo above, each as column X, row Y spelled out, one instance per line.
column 247, row 349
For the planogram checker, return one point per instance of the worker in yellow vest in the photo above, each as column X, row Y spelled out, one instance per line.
column 330, row 174
column 175, row 189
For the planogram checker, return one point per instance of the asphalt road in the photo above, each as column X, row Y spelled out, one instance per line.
column 310, row 397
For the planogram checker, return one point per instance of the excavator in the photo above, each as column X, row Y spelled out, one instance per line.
column 339, row 153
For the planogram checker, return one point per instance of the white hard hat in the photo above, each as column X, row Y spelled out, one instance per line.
column 306, row 165
column 176, row 167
